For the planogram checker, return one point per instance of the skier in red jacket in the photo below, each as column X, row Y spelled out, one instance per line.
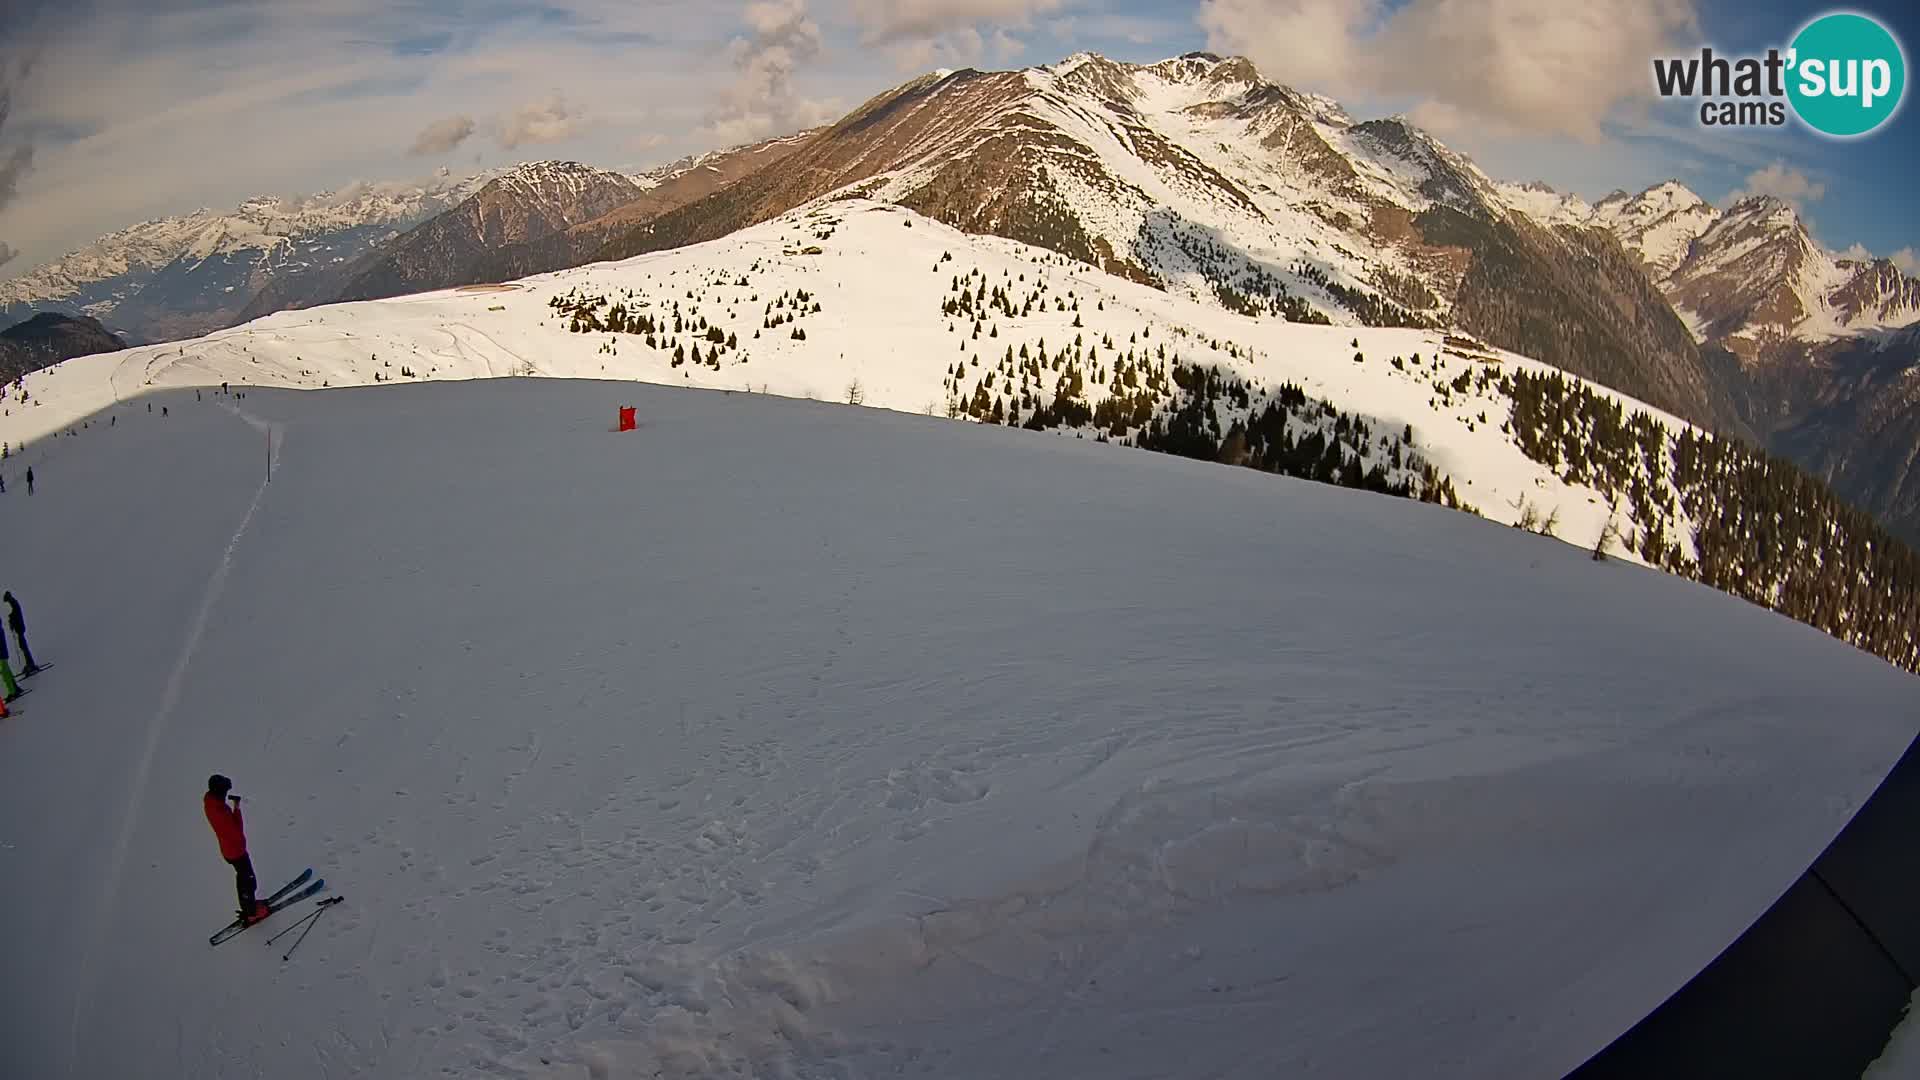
column 233, row 843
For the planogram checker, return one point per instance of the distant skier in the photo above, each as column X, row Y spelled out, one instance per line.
column 29, row 479
column 232, row 832
column 17, row 623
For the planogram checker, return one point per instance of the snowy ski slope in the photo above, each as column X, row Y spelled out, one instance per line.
column 782, row 738
column 880, row 275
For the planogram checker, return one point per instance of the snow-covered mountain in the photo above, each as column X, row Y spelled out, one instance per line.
column 1202, row 177
column 1817, row 349
column 181, row 276
column 1542, row 203
column 522, row 206
column 539, row 217
column 1660, row 224
column 1751, row 275
column 851, row 299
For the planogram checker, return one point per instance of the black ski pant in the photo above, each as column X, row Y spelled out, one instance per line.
column 25, row 653
column 243, row 882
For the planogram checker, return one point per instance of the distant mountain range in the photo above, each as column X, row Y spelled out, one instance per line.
column 182, row 276
column 538, row 217
column 1195, row 175
column 1819, row 351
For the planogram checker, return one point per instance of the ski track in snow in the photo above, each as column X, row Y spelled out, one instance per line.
column 155, row 728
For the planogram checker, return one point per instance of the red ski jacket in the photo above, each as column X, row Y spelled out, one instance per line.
column 226, row 825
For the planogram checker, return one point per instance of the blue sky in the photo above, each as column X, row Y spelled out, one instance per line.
column 112, row 111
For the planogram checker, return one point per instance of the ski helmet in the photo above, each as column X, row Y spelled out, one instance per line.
column 218, row 784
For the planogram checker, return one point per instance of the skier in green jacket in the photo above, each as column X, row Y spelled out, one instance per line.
column 6, row 671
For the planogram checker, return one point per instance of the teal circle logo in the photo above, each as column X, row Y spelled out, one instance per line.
column 1847, row 74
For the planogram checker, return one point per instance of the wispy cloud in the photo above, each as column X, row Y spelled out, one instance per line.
column 196, row 99
column 921, row 33
column 1905, row 259
column 11, row 170
column 551, row 120
column 1523, row 67
column 442, row 136
column 14, row 163
column 762, row 99
column 1783, row 182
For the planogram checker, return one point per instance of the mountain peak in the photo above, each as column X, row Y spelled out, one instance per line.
column 1206, row 67
column 1763, row 205
column 1074, row 63
column 563, row 180
column 553, row 167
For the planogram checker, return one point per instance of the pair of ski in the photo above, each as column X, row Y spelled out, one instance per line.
column 286, row 896
column 23, row 677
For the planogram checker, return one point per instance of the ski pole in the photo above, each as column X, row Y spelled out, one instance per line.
column 311, row 918
column 294, row 927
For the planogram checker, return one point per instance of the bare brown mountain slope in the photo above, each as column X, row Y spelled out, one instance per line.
column 460, row 247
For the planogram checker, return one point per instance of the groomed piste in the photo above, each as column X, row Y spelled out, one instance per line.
column 779, row 738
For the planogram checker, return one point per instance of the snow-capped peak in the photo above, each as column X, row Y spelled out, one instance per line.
column 1542, row 203
column 1768, row 209
column 1073, row 63
column 261, row 223
column 1755, row 274
column 551, row 175
column 1659, row 224
column 1665, row 197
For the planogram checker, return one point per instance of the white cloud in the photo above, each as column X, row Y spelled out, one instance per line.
column 763, row 101
column 1530, row 67
column 1906, row 260
column 922, row 33
column 1783, row 182
column 551, row 120
column 200, row 108
column 441, row 136
column 892, row 20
